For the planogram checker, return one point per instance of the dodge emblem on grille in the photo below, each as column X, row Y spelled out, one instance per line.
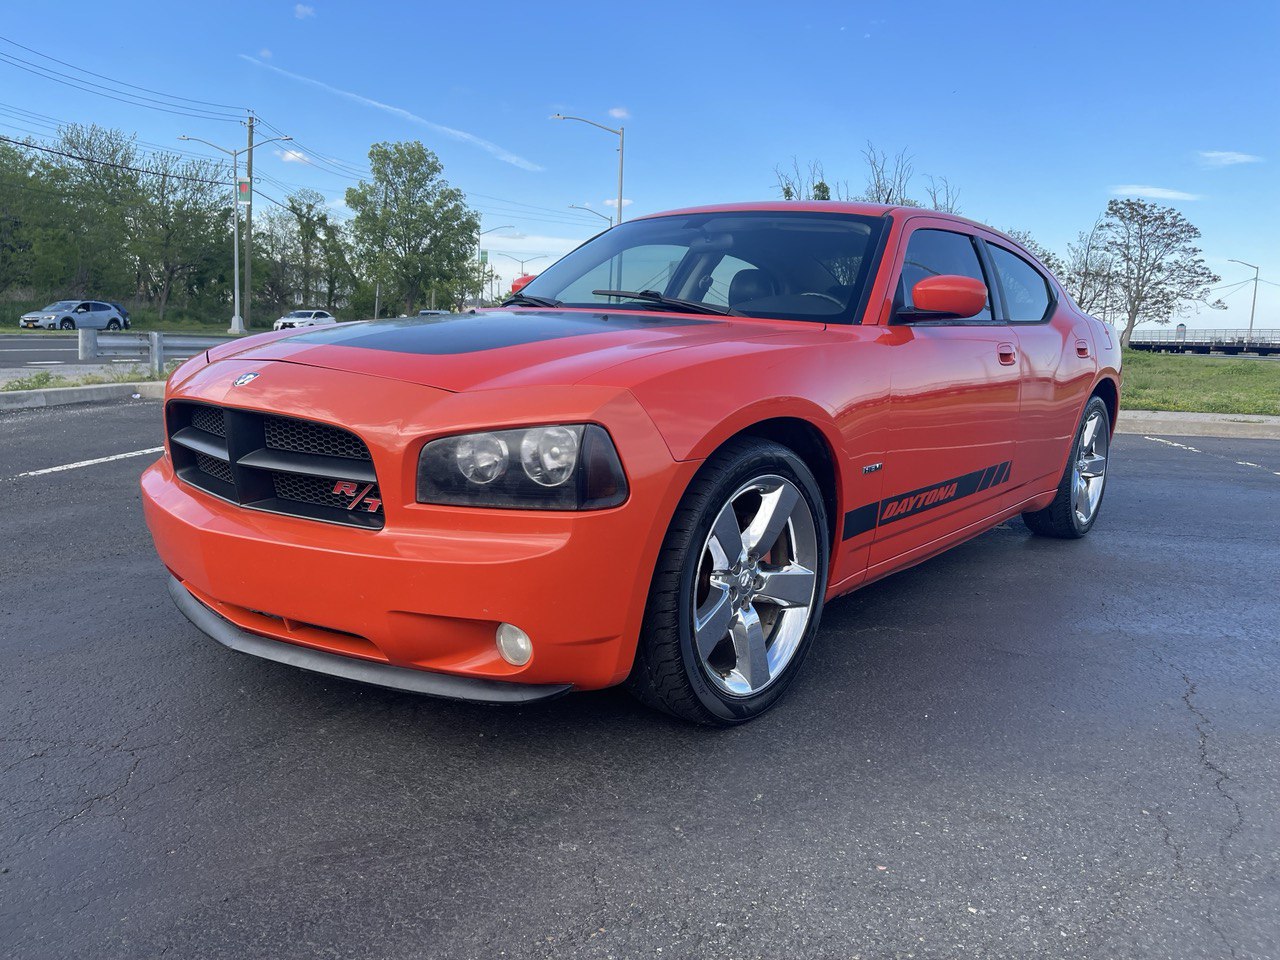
column 359, row 496
column 244, row 378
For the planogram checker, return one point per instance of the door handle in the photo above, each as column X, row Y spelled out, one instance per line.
column 1008, row 353
column 1082, row 348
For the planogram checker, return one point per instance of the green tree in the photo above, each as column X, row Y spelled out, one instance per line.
column 1158, row 267
column 411, row 228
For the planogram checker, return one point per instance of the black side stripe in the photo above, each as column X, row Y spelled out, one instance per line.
column 867, row 517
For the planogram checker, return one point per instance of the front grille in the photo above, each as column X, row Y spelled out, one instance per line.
column 279, row 464
column 208, row 419
column 295, row 486
column 303, row 436
column 214, row 467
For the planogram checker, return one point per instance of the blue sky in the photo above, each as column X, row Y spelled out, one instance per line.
column 1037, row 112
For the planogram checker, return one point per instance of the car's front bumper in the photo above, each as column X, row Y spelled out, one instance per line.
column 428, row 591
column 364, row 671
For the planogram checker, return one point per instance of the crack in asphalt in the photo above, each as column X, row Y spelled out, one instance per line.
column 1221, row 777
column 1203, row 725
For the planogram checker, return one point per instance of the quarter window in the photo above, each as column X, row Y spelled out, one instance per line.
column 932, row 253
column 1026, row 291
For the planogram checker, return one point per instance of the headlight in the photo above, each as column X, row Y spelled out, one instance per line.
column 553, row 467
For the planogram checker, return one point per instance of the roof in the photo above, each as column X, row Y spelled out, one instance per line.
column 806, row 206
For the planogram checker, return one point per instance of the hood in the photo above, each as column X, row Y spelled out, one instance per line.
column 495, row 348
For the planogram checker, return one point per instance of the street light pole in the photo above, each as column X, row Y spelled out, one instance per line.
column 1253, row 306
column 620, row 133
column 608, row 220
column 237, row 322
column 540, row 256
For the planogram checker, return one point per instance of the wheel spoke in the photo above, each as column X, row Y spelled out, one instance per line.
column 748, row 644
column 792, row 586
column 767, row 525
column 1090, row 434
column 726, row 539
column 1092, row 465
column 1080, row 500
column 711, row 622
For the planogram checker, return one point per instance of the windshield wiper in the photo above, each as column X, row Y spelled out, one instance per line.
column 531, row 300
column 653, row 296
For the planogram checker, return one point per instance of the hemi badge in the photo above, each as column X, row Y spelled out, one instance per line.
column 872, row 467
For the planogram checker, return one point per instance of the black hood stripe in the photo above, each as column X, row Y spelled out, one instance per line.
column 476, row 332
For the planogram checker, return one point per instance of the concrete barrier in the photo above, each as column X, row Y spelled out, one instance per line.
column 94, row 393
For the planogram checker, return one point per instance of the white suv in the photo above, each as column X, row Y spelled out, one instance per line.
column 305, row 318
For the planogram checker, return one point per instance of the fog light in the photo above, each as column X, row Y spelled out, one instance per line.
column 514, row 644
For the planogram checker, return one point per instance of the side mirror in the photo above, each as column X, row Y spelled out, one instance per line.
column 946, row 297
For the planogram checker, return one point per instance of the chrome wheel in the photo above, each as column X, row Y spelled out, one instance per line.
column 756, row 585
column 1090, row 471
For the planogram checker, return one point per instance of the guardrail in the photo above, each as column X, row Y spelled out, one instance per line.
column 154, row 348
column 1261, row 342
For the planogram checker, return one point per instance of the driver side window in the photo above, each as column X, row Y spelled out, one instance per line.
column 932, row 253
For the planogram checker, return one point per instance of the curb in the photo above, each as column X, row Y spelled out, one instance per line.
column 1227, row 425
column 95, row 393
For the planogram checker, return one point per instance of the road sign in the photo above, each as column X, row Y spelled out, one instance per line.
column 484, row 256
column 244, row 191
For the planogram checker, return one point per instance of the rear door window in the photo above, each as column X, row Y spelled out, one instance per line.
column 1027, row 294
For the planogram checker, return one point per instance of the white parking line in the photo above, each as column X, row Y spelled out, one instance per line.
column 44, row 363
column 88, row 463
column 1216, row 456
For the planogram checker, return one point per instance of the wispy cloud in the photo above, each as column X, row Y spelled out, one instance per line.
column 293, row 156
column 1151, row 193
column 1226, row 158
column 626, row 202
column 489, row 147
column 620, row 113
column 264, row 53
column 302, row 11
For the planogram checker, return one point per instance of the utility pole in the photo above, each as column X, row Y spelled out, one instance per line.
column 237, row 322
column 1254, row 305
column 377, row 274
column 248, row 229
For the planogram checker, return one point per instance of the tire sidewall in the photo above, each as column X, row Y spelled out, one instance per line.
column 777, row 460
column 1095, row 403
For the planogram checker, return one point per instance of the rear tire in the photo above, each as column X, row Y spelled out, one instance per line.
column 1076, row 505
column 67, row 324
column 730, row 617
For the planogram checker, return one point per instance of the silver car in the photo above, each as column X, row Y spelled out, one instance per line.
column 304, row 318
column 75, row 314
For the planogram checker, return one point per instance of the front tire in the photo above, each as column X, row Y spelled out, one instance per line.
column 738, row 592
column 1075, row 508
column 67, row 324
column 113, row 324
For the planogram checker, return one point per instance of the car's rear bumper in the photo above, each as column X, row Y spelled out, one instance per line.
column 350, row 668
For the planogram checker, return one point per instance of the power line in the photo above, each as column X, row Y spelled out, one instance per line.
column 122, row 83
column 108, row 163
column 101, row 91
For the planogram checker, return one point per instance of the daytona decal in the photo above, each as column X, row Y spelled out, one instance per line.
column 868, row 517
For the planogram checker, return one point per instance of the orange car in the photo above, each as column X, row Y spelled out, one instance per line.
column 654, row 465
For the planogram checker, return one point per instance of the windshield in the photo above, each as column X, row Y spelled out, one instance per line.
column 784, row 265
column 300, row 313
column 62, row 305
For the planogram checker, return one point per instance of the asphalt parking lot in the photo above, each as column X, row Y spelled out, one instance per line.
column 1022, row 748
